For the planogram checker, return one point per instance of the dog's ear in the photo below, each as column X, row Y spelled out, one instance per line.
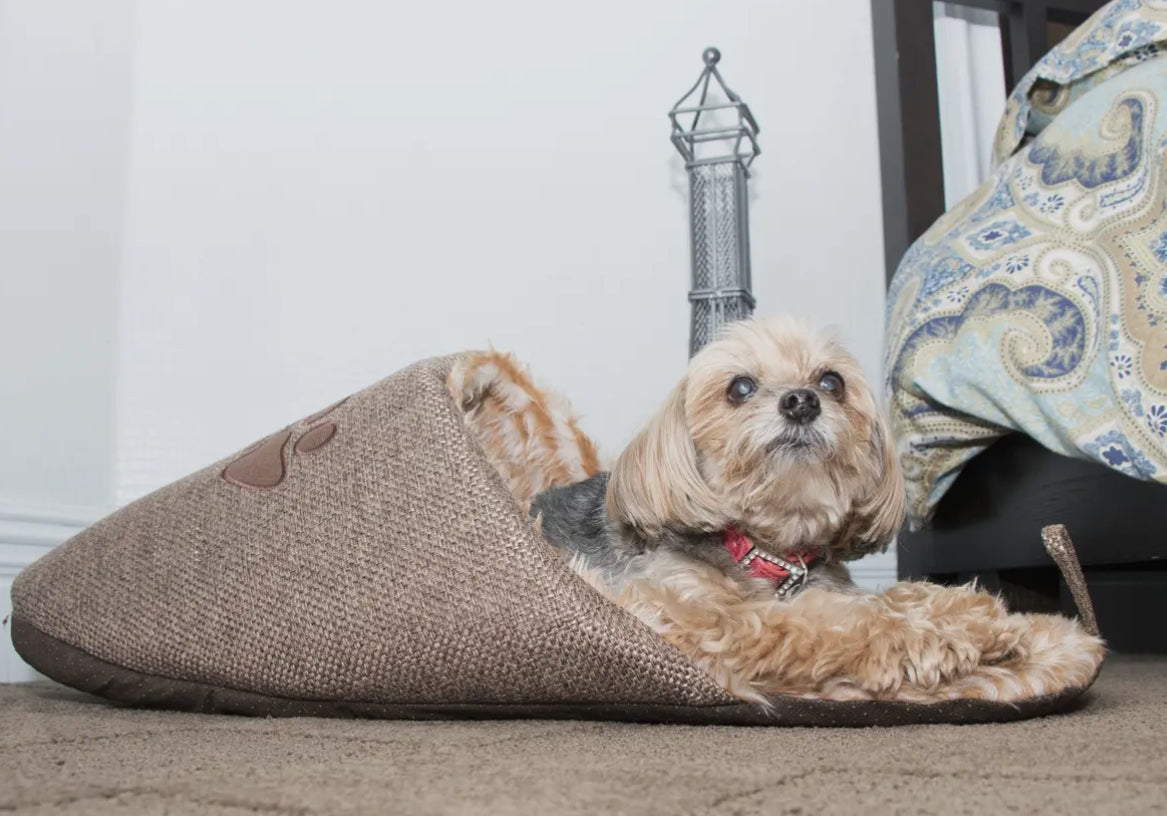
column 656, row 483
column 878, row 515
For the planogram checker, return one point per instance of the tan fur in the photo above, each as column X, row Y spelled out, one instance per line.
column 702, row 463
column 916, row 641
column 656, row 481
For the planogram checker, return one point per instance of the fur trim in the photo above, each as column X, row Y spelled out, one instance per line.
column 529, row 434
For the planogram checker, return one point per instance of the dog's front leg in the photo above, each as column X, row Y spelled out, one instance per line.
column 905, row 643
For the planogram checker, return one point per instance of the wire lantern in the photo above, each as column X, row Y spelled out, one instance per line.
column 717, row 136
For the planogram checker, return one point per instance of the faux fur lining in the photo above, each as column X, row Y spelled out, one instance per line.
column 528, row 433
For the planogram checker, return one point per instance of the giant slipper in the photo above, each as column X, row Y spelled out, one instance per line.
column 372, row 560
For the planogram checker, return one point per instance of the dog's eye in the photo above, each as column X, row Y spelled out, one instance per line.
column 832, row 383
column 741, row 389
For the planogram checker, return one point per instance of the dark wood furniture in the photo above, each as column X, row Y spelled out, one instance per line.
column 909, row 112
column 987, row 526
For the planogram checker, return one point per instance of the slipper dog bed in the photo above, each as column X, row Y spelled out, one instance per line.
column 376, row 559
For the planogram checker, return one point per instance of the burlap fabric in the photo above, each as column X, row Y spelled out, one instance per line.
column 368, row 561
column 390, row 565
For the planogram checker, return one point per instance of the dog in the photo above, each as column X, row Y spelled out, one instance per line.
column 725, row 526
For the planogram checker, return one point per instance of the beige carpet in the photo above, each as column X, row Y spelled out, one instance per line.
column 65, row 753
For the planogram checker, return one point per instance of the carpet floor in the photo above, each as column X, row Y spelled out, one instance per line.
column 62, row 752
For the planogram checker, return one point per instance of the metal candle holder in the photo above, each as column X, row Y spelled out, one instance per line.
column 717, row 135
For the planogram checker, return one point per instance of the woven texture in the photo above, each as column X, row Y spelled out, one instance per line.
column 1061, row 549
column 389, row 565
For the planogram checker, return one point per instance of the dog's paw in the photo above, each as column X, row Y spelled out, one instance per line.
column 930, row 636
column 1053, row 655
column 921, row 655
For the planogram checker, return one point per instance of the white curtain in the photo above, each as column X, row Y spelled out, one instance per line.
column 970, row 79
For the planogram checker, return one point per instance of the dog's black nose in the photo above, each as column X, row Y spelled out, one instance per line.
column 801, row 405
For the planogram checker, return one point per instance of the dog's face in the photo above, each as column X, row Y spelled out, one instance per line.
column 774, row 429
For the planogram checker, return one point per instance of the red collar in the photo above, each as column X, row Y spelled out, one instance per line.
column 788, row 576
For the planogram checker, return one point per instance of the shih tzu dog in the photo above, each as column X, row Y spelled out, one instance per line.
column 724, row 526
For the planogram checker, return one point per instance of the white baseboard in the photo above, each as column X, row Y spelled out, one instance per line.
column 27, row 533
column 875, row 571
column 874, row 578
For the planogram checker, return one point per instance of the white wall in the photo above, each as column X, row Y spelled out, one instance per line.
column 64, row 125
column 315, row 194
column 323, row 192
column 64, row 99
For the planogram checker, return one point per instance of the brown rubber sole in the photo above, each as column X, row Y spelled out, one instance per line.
column 77, row 669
